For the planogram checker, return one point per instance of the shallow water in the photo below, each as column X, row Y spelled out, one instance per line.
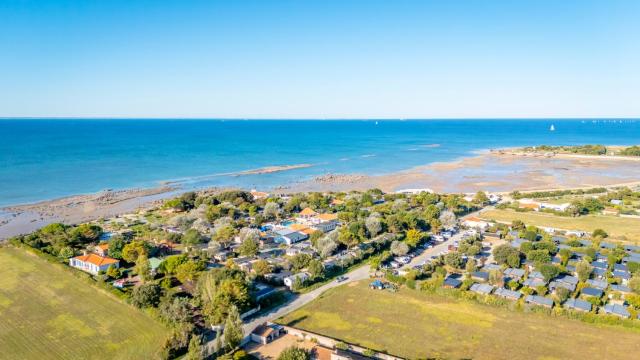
column 44, row 159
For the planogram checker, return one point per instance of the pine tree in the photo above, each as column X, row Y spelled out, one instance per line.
column 233, row 333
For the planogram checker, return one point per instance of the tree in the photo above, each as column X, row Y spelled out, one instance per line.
column 221, row 288
column 192, row 237
column 480, row 198
column 347, row 238
column 116, row 245
column 501, row 253
column 66, row 252
column 549, row 271
column 187, row 271
column 113, row 272
column 530, row 235
column 565, row 255
column 583, row 269
column 132, row 251
column 327, row 244
column 518, row 225
column 224, row 235
column 448, row 219
column 262, row 267
column 316, row 269
column 600, row 233
column 634, row 284
column 454, row 259
column 399, row 248
column 539, row 256
column 294, row 353
column 233, row 333
column 171, row 263
column 85, row 233
column 373, row 225
column 146, row 295
column 143, row 268
column 249, row 247
column 470, row 266
column 562, row 294
column 195, row 349
column 513, row 260
column 271, row 211
column 175, row 310
column 414, row 237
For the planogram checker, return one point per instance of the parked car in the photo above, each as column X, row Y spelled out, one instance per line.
column 341, row 279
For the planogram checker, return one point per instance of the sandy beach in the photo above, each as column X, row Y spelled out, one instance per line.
column 496, row 171
column 22, row 219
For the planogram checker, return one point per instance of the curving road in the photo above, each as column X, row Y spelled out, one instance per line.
column 360, row 273
column 297, row 302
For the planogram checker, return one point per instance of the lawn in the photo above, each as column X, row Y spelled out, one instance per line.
column 413, row 324
column 616, row 227
column 47, row 313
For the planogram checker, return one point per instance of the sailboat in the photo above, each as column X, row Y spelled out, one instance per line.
column 552, row 128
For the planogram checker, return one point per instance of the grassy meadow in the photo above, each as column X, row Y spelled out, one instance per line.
column 47, row 313
column 413, row 324
column 616, row 227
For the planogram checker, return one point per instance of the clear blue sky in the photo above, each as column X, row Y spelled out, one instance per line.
column 320, row 59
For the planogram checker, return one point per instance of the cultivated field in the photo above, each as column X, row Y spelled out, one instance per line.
column 413, row 324
column 47, row 313
column 616, row 227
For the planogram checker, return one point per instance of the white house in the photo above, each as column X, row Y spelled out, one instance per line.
column 289, row 281
column 556, row 207
column 289, row 237
column 325, row 226
column 93, row 263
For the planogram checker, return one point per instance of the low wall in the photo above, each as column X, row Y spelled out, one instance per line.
column 331, row 342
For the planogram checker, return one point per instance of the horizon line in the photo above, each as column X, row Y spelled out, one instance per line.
column 309, row 118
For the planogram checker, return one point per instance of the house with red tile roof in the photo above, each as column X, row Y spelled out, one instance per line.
column 93, row 263
column 101, row 249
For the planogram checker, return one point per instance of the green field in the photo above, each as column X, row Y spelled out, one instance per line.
column 413, row 324
column 47, row 313
column 616, row 227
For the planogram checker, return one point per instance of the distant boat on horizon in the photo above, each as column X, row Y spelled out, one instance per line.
column 552, row 128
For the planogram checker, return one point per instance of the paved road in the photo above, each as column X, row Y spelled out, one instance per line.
column 303, row 299
column 297, row 302
column 434, row 251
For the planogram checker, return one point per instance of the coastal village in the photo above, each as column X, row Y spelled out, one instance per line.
column 223, row 267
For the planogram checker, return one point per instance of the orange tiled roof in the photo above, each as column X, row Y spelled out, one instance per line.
column 307, row 212
column 327, row 217
column 298, row 227
column 308, row 231
column 337, row 202
column 103, row 246
column 96, row 259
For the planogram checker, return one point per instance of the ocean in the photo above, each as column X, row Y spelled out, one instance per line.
column 42, row 159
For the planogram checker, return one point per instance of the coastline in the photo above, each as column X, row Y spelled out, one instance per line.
column 499, row 171
column 26, row 218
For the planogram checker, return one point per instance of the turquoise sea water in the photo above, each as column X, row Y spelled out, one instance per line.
column 43, row 159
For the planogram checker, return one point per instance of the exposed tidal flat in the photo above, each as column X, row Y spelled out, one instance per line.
column 142, row 161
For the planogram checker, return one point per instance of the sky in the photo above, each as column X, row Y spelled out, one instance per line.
column 320, row 59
